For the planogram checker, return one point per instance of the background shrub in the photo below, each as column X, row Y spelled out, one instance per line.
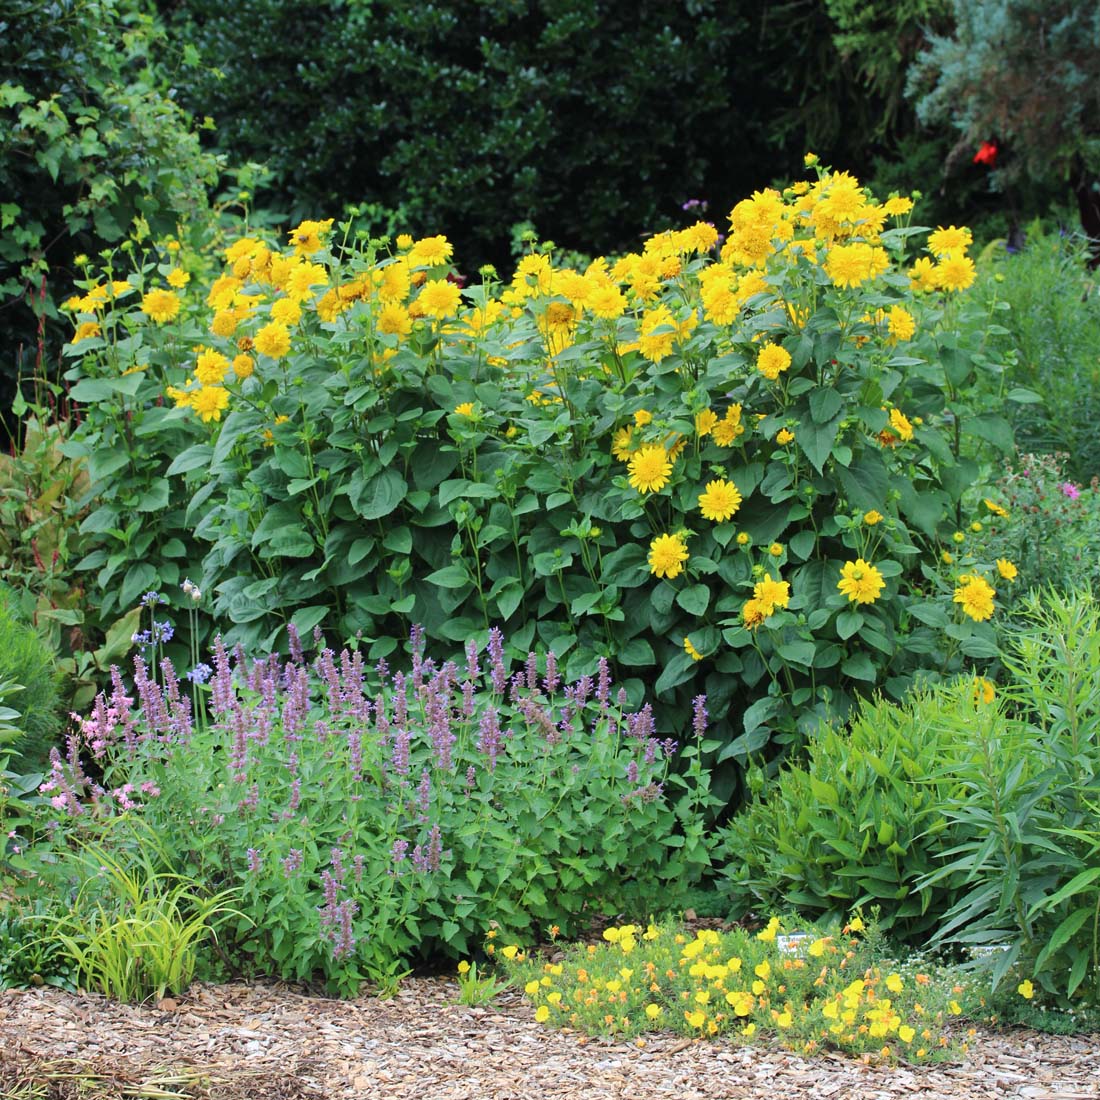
column 92, row 144
column 26, row 659
column 1052, row 330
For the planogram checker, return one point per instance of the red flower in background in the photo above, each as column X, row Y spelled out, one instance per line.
column 986, row 154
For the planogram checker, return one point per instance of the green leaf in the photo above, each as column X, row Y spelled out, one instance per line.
column 635, row 653
column 155, row 497
column 824, row 405
column 381, row 495
column 866, row 482
column 90, row 391
column 695, row 599
column 802, row 544
column 193, row 458
column 461, row 489
column 103, row 463
column 680, row 668
column 798, row 652
column 290, row 542
column 957, row 365
column 398, row 541
column 993, row 429
column 816, row 440
column 848, row 623
column 450, row 576
column 859, row 667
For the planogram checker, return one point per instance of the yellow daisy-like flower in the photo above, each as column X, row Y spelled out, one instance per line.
column 178, row 278
column 1006, row 569
column 606, row 302
column 465, row 409
column 273, row 340
column 243, row 366
column 900, row 324
column 705, row 422
column 784, row 436
column 901, row 425
column 729, row 428
column 776, row 549
column 872, row 517
column 743, row 538
column 439, row 298
column 950, row 241
column 983, row 691
column 86, row 330
column 996, row 508
column 922, row 275
column 691, row 651
column 160, row 306
column 211, row 368
column 975, row 595
column 771, row 593
column 955, row 273
column 719, row 501
column 667, row 554
column 306, row 237
column 895, row 206
column 753, row 614
column 225, row 322
column 209, row 403
column 772, row 361
column 394, row 320
column 286, row 311
column 621, row 443
column 649, row 469
column 430, row 252
column 860, row 582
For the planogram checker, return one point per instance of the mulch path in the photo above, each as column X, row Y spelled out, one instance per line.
column 251, row 1041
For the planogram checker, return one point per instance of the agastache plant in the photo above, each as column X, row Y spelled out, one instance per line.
column 370, row 814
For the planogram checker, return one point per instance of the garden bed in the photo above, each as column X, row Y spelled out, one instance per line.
column 242, row 1041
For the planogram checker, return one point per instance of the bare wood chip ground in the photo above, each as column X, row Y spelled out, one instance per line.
column 259, row 1041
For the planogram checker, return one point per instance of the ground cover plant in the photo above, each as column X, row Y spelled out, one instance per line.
column 813, row 990
column 366, row 818
column 764, row 448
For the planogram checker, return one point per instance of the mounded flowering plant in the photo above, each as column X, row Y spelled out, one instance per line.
column 812, row 989
column 732, row 466
column 368, row 817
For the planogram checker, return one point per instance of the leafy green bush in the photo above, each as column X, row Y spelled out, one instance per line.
column 1026, row 809
column 860, row 821
column 760, row 455
column 1051, row 531
column 91, row 141
column 369, row 819
column 1052, row 324
column 27, row 660
column 973, row 820
column 27, row 958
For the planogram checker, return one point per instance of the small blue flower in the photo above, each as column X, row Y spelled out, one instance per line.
column 200, row 674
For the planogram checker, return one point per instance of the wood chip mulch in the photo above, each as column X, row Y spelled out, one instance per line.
column 270, row 1042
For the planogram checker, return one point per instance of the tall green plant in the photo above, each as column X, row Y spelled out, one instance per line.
column 1026, row 871
column 761, row 452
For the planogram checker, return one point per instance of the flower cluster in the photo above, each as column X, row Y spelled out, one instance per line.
column 812, row 990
